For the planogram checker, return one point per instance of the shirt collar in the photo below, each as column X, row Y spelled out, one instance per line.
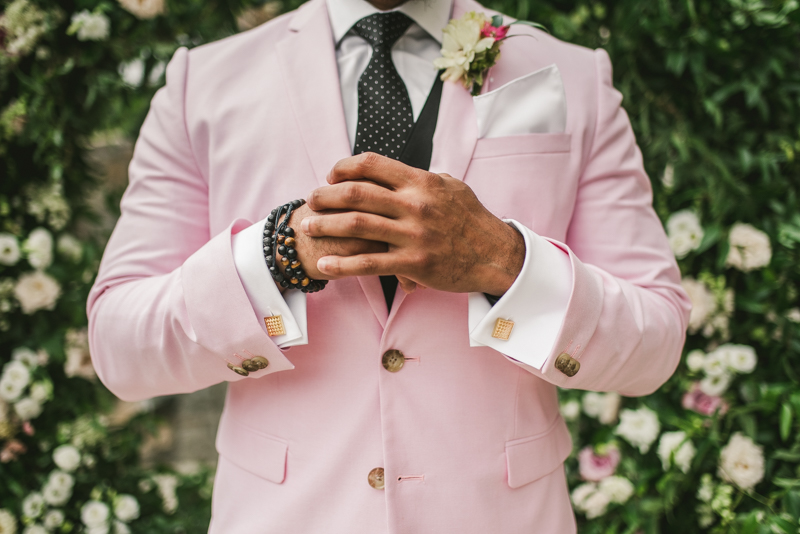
column 431, row 15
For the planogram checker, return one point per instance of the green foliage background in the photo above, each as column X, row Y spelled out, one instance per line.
column 713, row 92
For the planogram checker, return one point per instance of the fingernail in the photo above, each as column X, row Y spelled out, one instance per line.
column 323, row 264
column 305, row 224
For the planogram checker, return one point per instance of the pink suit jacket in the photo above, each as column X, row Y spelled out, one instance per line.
column 471, row 441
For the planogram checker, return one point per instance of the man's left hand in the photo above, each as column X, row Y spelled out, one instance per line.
column 438, row 233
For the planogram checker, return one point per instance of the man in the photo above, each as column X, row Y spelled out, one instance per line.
column 519, row 225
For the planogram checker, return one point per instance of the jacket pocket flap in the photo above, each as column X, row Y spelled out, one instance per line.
column 517, row 145
column 531, row 458
column 256, row 452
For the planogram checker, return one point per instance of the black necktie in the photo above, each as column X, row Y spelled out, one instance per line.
column 384, row 109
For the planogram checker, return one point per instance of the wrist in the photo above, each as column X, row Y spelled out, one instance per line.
column 505, row 263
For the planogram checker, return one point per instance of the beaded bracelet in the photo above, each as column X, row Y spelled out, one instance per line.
column 278, row 238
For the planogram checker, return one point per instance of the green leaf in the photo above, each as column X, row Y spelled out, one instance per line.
column 497, row 21
column 786, row 421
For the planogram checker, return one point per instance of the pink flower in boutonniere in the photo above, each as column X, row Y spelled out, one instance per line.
column 471, row 46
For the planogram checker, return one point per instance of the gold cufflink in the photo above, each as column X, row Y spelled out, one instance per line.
column 274, row 325
column 502, row 329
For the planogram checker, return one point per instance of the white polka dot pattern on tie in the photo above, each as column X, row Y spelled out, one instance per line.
column 384, row 109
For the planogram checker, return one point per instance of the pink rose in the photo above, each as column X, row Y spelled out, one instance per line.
column 699, row 402
column 27, row 427
column 12, row 449
column 496, row 32
column 595, row 467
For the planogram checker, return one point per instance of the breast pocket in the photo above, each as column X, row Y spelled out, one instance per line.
column 528, row 177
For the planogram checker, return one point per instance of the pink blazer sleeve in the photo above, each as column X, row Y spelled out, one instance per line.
column 627, row 313
column 168, row 312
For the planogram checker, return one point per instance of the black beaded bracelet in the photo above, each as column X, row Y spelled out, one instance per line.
column 278, row 238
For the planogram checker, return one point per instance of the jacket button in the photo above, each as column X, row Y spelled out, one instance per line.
column 375, row 478
column 260, row 361
column 238, row 370
column 250, row 366
column 393, row 360
column 567, row 364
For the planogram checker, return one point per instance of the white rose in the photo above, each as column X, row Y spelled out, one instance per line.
column 95, row 514
column 36, row 291
column 639, row 427
column 793, row 315
column 703, row 303
column 60, row 479
column 40, row 392
column 9, row 390
column 739, row 358
column 601, row 406
column 15, row 379
column 596, row 504
column 101, row 529
column 581, row 493
column 33, row 505
column 675, row 447
column 9, row 250
column 39, row 248
column 144, row 9
column 570, row 410
column 715, row 385
column 53, row 519
column 67, row 457
column 27, row 409
column 716, row 364
column 35, row 529
column 8, row 523
column 121, row 528
column 695, row 360
column 69, row 247
column 132, row 72
column 749, row 248
column 90, row 26
column 685, row 232
column 26, row 356
column 741, row 462
column 56, row 495
column 126, row 508
column 617, row 489
column 79, row 363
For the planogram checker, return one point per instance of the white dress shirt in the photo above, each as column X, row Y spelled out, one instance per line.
column 536, row 302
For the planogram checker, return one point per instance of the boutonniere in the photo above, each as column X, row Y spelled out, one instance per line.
column 471, row 46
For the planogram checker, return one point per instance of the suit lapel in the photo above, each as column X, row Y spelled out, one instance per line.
column 308, row 67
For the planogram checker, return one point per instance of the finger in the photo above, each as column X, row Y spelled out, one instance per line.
column 356, row 225
column 386, row 263
column 355, row 196
column 407, row 285
column 384, row 171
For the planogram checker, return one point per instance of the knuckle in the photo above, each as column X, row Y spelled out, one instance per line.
column 369, row 160
column 367, row 265
column 356, row 223
column 354, row 194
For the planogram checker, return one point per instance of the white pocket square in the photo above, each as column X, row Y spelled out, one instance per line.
column 534, row 103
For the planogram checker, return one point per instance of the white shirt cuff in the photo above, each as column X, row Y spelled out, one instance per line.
column 264, row 295
column 536, row 302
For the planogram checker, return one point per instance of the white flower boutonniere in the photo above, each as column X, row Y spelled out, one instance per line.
column 471, row 46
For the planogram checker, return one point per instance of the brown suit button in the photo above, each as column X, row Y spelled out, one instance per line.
column 375, row 478
column 567, row 364
column 260, row 361
column 393, row 360
column 238, row 370
column 250, row 366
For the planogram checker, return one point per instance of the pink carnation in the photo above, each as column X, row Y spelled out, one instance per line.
column 697, row 401
column 490, row 31
column 596, row 467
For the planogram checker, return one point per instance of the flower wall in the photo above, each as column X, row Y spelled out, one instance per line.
column 712, row 92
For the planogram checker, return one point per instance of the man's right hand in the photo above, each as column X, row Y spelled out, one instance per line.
column 310, row 249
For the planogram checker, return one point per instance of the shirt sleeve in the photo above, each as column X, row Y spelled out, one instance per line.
column 262, row 292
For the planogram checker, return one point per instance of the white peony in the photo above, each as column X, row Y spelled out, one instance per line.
column 715, row 364
column 695, row 360
column 675, row 448
column 570, row 410
column 602, row 406
column 39, row 248
column 144, row 9
column 56, row 495
column 33, row 505
column 460, row 43
column 36, row 291
column 14, row 380
column 90, row 26
column 715, row 386
column 67, row 457
column 8, row 523
column 35, row 528
column 741, row 462
column 121, row 528
column 581, row 493
column 685, row 232
column 9, row 391
column 26, row 356
column 596, row 504
column 95, row 514
column 703, row 303
column 738, row 358
column 53, row 519
column 9, row 250
column 60, row 479
column 41, row 391
column 749, row 248
column 639, row 427
column 69, row 247
column 617, row 489
column 126, row 508
column 27, row 408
